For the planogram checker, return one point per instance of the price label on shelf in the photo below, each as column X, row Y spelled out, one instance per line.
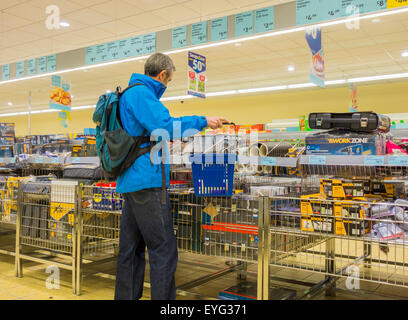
column 75, row 160
column 317, row 160
column 398, row 161
column 374, row 160
column 268, row 161
column 54, row 160
column 38, row 160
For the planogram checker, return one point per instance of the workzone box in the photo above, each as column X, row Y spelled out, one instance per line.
column 352, row 219
column 340, row 142
column 316, row 214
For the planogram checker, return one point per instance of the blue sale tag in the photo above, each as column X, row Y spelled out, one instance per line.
column 319, row 160
column 54, row 160
column 374, row 160
column 268, row 161
column 75, row 160
column 398, row 161
column 38, row 160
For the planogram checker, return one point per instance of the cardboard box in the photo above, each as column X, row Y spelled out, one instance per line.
column 389, row 189
column 344, row 188
column 350, row 218
column 105, row 198
column 337, row 142
column 316, row 214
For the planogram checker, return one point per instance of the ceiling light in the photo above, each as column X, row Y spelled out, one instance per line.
column 404, row 53
column 108, row 91
column 10, row 104
column 262, row 89
column 376, row 20
column 382, row 77
column 64, row 24
column 291, row 68
column 238, row 44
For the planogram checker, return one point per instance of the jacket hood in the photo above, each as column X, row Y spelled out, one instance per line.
column 157, row 87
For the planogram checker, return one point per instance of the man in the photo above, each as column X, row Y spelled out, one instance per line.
column 146, row 220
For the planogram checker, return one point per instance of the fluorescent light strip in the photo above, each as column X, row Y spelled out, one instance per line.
column 377, row 78
column 216, row 44
column 242, row 91
column 176, row 98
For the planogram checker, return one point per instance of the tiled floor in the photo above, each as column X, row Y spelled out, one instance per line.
column 100, row 286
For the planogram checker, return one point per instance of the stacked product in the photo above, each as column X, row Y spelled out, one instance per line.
column 359, row 133
column 7, row 139
column 344, row 206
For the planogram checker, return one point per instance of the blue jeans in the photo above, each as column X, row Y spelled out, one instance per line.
column 146, row 222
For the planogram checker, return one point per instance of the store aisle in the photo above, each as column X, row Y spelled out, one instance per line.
column 101, row 286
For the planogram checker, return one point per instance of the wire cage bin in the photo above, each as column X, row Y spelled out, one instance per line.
column 213, row 174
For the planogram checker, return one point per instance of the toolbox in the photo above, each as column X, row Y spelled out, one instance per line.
column 354, row 121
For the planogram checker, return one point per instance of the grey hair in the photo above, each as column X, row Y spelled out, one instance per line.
column 158, row 62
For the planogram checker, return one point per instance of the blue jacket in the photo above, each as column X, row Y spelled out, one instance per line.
column 140, row 108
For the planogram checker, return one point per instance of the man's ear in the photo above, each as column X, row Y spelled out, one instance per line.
column 162, row 75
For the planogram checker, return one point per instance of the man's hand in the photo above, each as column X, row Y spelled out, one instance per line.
column 216, row 122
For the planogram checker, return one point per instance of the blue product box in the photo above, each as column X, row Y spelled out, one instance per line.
column 106, row 199
column 338, row 142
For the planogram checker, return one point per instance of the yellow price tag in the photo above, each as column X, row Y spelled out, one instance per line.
column 396, row 3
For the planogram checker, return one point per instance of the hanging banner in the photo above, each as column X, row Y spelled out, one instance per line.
column 314, row 40
column 197, row 74
column 353, row 106
column 60, row 96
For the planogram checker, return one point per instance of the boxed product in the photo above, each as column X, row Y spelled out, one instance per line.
column 344, row 188
column 105, row 197
column 352, row 219
column 340, row 142
column 22, row 148
column 6, row 151
column 390, row 189
column 6, row 140
column 316, row 214
column 7, row 130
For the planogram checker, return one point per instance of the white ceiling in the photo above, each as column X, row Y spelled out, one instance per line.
column 374, row 49
column 23, row 32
